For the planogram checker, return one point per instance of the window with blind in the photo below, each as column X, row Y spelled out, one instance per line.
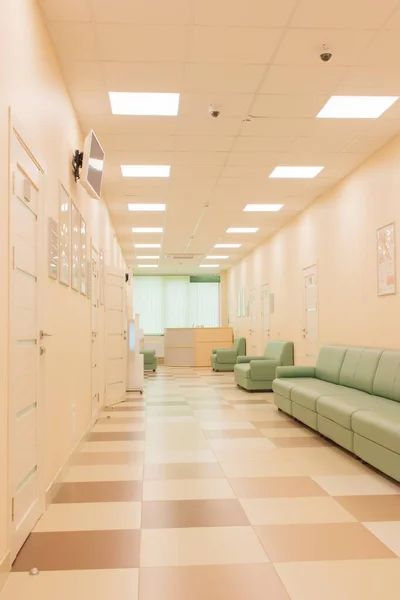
column 167, row 301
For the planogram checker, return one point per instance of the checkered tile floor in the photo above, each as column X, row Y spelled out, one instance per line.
column 201, row 491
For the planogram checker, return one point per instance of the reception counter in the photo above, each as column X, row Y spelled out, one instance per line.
column 192, row 347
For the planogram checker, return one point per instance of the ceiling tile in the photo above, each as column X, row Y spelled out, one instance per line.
column 59, row 10
column 195, row 172
column 138, row 157
column 288, row 105
column 303, row 46
column 357, row 14
column 321, row 79
column 84, row 41
column 367, row 145
column 89, row 102
column 384, row 49
column 222, row 78
column 369, row 81
column 276, row 127
column 142, row 77
column 248, row 172
column 394, row 21
column 203, row 143
column 321, row 144
column 258, row 13
column 207, row 126
column 229, row 105
column 133, row 43
column 253, row 159
column 137, row 142
column 83, row 75
column 199, row 158
column 118, row 124
column 154, row 12
column 262, row 144
column 238, row 45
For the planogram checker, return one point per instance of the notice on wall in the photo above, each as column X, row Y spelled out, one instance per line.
column 53, row 249
column 386, row 248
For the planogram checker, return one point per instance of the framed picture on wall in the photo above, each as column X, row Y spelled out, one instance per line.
column 386, row 257
column 75, row 249
column 83, row 258
column 64, row 235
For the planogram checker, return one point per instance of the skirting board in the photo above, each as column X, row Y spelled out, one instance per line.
column 5, row 568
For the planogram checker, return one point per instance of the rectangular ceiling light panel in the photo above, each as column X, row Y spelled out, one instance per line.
column 144, row 104
column 262, row 207
column 145, row 170
column 356, row 107
column 147, row 266
column 209, row 266
column 295, row 172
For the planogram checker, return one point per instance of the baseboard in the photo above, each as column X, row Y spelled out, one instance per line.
column 55, row 485
column 5, row 568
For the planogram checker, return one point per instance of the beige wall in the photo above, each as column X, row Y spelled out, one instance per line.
column 30, row 82
column 338, row 233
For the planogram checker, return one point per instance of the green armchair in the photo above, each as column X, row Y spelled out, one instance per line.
column 150, row 360
column 224, row 359
column 258, row 372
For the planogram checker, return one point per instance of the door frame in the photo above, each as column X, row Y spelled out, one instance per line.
column 16, row 129
column 93, row 249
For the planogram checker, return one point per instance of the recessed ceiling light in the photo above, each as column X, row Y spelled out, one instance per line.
column 146, row 207
column 144, row 104
column 262, row 207
column 242, row 230
column 147, row 229
column 147, row 266
column 147, row 257
column 215, row 257
column 356, row 107
column 145, row 170
column 295, row 172
column 209, row 266
column 147, row 245
column 227, row 245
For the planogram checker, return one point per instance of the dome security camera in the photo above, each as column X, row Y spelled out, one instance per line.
column 325, row 56
column 214, row 113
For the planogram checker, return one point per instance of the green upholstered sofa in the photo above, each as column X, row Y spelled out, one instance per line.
column 224, row 359
column 150, row 360
column 351, row 396
column 257, row 372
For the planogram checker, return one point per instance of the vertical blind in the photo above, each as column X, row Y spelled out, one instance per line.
column 169, row 301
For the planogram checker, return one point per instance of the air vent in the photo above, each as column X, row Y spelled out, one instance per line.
column 183, row 256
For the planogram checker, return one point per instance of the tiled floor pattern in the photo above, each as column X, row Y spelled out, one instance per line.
column 200, row 491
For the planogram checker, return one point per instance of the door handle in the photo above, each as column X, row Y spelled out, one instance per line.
column 42, row 350
column 43, row 334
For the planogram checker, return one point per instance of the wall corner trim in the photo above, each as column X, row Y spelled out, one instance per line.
column 5, row 568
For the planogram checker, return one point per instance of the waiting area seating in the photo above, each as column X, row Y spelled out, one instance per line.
column 150, row 360
column 258, row 372
column 351, row 396
column 224, row 359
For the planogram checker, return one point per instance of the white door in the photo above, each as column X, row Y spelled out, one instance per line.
column 253, row 323
column 310, row 331
column 95, row 332
column 115, row 343
column 25, row 346
column 265, row 315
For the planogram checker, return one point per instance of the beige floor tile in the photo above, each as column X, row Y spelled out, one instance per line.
column 357, row 485
column 187, row 489
column 388, row 532
column 284, row 511
column 201, row 546
column 96, row 516
column 342, row 580
column 80, row 585
column 132, row 472
column 154, row 420
column 128, row 446
column 276, row 487
column 292, row 432
column 184, row 471
column 239, row 444
column 127, row 427
column 225, row 425
column 262, row 468
column 183, row 456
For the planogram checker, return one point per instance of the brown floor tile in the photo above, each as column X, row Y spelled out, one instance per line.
column 299, row 442
column 192, row 513
column 99, row 491
column 124, row 409
column 183, row 471
column 248, row 401
column 232, row 434
column 284, row 424
column 276, row 487
column 216, row 582
column 108, row 458
column 120, row 420
column 372, row 508
column 80, row 550
column 328, row 541
column 116, row 436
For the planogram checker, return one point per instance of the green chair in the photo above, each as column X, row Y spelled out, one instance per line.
column 258, row 372
column 150, row 360
column 224, row 359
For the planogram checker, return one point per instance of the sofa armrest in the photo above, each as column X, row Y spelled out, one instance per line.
column 216, row 350
column 148, row 353
column 226, row 357
column 283, row 372
column 247, row 359
column 263, row 370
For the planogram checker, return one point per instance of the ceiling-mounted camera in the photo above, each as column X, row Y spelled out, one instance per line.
column 214, row 113
column 325, row 55
column 77, row 163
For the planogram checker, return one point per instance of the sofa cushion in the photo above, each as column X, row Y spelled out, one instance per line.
column 243, row 369
column 387, row 376
column 284, row 386
column 359, row 368
column 381, row 426
column 306, row 392
column 341, row 408
column 329, row 363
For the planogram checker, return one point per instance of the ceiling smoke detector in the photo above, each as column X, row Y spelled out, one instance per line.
column 183, row 256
